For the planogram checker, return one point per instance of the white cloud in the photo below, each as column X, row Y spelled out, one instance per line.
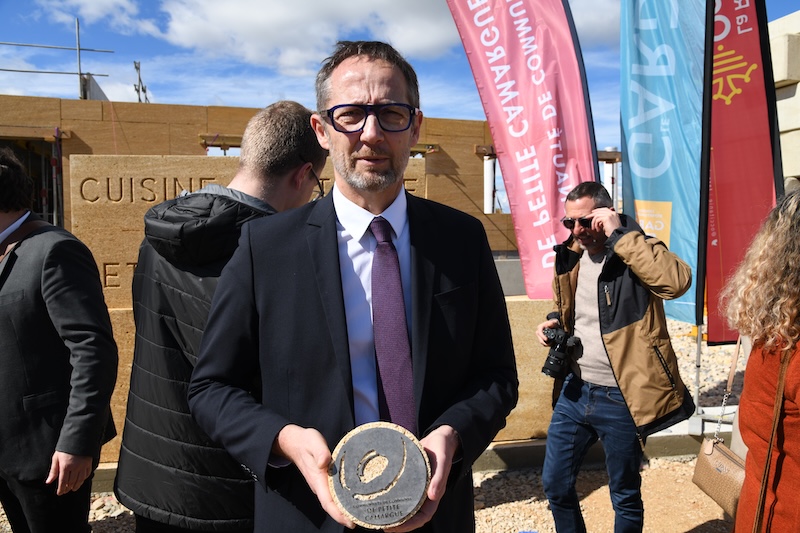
column 420, row 29
column 597, row 22
column 122, row 14
column 251, row 52
column 293, row 38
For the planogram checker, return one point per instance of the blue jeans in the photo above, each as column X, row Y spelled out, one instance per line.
column 583, row 414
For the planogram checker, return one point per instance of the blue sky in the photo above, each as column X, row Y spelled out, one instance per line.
column 250, row 53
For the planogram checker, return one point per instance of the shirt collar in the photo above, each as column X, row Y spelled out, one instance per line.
column 356, row 220
column 13, row 227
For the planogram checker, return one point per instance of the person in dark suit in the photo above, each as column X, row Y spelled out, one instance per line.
column 58, row 365
column 170, row 474
column 295, row 306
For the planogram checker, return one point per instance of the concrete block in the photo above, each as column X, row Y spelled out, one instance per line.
column 784, row 25
column 531, row 417
column 118, row 138
column 227, row 120
column 790, row 154
column 510, row 272
column 26, row 111
column 184, row 139
column 787, row 100
column 785, row 59
column 110, row 195
column 436, row 127
column 415, row 180
column 154, row 113
column 81, row 110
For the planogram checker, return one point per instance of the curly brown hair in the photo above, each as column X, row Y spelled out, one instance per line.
column 16, row 188
column 762, row 299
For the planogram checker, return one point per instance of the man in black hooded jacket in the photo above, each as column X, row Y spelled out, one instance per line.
column 170, row 474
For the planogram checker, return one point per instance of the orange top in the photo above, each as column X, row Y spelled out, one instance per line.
column 782, row 504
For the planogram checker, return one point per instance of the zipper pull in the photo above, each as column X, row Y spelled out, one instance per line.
column 608, row 295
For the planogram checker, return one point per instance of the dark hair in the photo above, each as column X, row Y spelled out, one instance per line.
column 591, row 189
column 16, row 188
column 280, row 138
column 370, row 49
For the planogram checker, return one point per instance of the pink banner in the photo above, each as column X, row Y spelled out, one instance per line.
column 526, row 63
column 742, row 179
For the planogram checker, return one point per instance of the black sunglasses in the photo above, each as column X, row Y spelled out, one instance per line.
column 569, row 223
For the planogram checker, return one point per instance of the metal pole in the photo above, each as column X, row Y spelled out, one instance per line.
column 56, row 193
column 488, row 184
column 698, row 359
column 78, row 48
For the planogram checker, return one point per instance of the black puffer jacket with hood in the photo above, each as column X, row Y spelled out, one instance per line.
column 169, row 470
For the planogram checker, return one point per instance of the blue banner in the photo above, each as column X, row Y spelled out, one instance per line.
column 661, row 109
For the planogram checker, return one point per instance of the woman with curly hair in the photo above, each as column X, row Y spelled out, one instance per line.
column 762, row 301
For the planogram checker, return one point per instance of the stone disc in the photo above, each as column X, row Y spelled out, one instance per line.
column 379, row 475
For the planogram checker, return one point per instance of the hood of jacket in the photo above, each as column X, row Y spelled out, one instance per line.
column 198, row 228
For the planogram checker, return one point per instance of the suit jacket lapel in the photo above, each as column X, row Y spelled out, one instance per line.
column 324, row 252
column 422, row 275
column 7, row 254
column 6, row 263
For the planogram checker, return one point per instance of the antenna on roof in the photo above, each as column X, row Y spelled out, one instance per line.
column 140, row 88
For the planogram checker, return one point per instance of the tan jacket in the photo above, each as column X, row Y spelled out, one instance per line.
column 639, row 273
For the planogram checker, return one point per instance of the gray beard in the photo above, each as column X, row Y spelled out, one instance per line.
column 371, row 183
column 366, row 182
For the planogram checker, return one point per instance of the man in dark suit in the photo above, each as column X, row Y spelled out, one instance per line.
column 295, row 306
column 58, row 365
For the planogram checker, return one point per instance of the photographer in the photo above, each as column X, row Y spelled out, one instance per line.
column 621, row 380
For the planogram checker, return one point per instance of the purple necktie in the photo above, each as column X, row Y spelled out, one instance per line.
column 392, row 350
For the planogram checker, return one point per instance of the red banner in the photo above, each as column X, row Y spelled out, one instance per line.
column 741, row 165
column 525, row 58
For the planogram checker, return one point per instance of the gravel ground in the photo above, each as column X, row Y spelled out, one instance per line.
column 714, row 369
column 512, row 501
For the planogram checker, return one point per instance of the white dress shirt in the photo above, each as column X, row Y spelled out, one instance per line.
column 356, row 249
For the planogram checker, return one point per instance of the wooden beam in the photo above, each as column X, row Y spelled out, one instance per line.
column 221, row 140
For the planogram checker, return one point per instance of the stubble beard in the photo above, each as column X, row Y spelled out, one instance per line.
column 594, row 248
column 366, row 181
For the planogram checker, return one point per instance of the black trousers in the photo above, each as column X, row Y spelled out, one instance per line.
column 145, row 525
column 33, row 507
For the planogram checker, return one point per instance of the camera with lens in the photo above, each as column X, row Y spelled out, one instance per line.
column 561, row 343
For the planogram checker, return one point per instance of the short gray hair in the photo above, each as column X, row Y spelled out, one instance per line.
column 373, row 50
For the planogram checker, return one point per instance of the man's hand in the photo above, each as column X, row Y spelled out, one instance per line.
column 540, row 333
column 307, row 449
column 70, row 471
column 441, row 445
column 605, row 219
